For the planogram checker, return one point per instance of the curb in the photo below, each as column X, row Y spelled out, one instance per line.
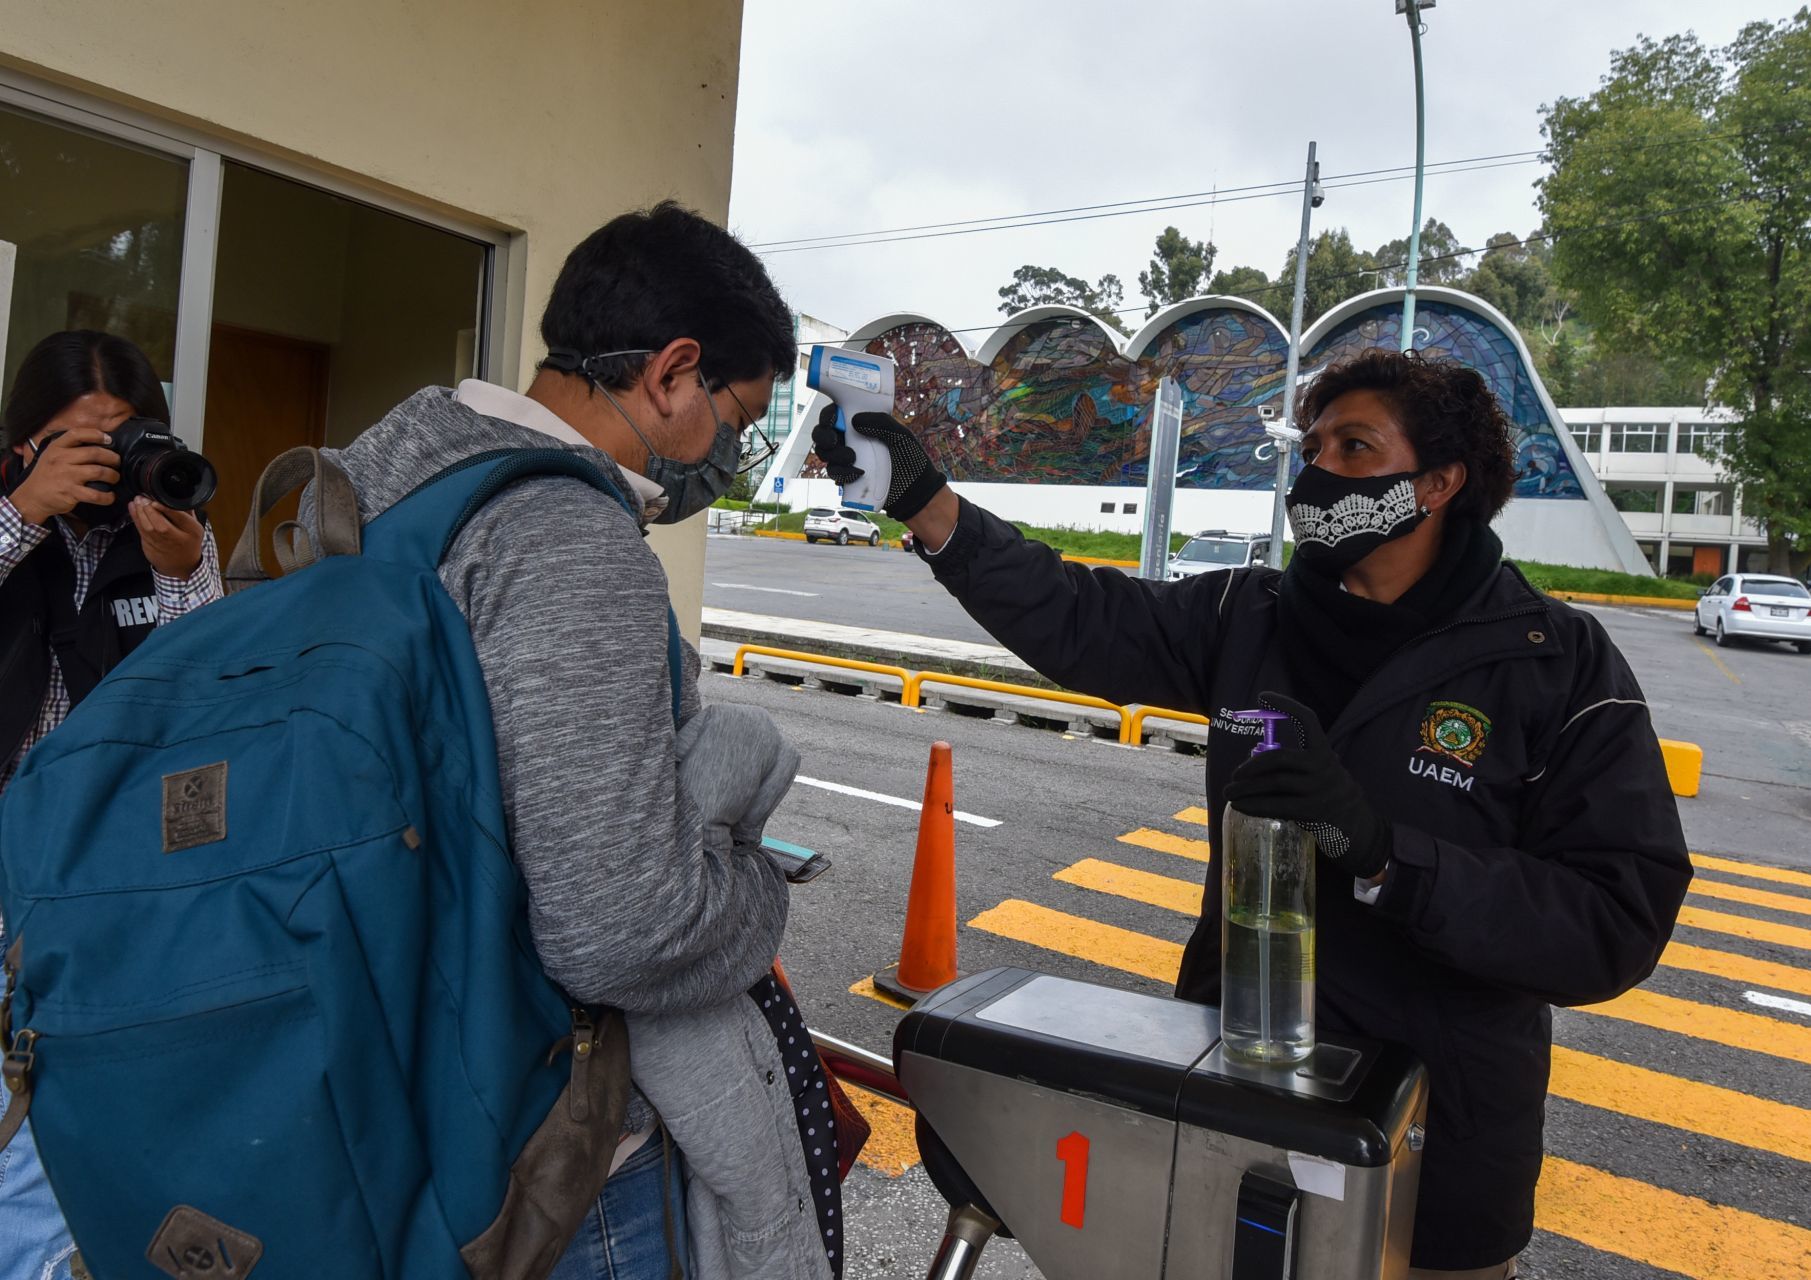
column 1007, row 673
column 1648, row 602
column 892, row 543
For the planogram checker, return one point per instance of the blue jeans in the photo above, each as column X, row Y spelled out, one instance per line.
column 624, row 1237
column 34, row 1243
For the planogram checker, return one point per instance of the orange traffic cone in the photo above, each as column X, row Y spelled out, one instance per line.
column 927, row 955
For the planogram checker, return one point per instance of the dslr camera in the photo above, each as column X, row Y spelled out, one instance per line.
column 154, row 462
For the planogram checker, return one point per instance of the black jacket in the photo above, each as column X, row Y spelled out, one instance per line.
column 38, row 616
column 1547, row 869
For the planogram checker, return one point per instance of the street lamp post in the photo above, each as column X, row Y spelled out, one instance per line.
column 1412, row 10
column 1284, row 434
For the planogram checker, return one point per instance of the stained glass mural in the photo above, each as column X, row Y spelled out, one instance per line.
column 1059, row 403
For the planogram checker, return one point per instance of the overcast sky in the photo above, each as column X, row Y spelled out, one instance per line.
column 858, row 117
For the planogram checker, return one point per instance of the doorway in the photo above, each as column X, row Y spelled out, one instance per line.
column 266, row 393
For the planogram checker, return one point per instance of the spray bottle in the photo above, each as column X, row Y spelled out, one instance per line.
column 1267, row 868
column 858, row 383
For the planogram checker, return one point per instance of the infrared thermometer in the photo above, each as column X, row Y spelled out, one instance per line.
column 858, row 383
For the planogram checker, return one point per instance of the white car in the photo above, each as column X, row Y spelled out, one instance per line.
column 841, row 527
column 1756, row 606
column 1218, row 549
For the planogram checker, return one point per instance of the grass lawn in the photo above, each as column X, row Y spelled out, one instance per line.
column 1548, row 577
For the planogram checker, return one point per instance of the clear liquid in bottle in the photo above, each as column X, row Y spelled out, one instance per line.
column 1267, row 869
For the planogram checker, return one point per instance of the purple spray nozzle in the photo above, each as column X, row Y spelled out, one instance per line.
column 1269, row 719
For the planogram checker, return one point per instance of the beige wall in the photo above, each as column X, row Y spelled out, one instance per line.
column 541, row 117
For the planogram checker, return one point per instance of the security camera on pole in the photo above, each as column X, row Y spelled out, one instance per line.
column 1284, row 433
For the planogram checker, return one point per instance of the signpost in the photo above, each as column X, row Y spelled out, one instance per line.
column 1160, row 485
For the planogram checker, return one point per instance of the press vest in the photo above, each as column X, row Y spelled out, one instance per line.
column 38, row 618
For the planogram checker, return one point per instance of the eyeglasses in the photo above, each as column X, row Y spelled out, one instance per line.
column 757, row 445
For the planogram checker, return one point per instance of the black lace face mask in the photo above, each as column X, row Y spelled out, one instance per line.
column 1339, row 520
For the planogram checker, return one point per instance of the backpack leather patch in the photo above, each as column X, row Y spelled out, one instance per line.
column 192, row 1246
column 194, row 807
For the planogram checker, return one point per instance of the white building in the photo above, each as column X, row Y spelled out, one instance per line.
column 786, row 412
column 1656, row 468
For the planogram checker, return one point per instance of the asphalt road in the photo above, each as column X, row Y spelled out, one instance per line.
column 1679, row 1133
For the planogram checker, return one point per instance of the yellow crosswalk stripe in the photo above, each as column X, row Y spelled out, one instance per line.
column 1682, row 1104
column 1785, row 935
column 892, row 1145
column 1752, row 897
column 1742, row 969
column 1164, row 842
column 1085, row 939
column 1676, row 1233
column 1139, row 886
column 1195, row 815
column 1751, row 1031
column 1184, row 896
column 1705, row 862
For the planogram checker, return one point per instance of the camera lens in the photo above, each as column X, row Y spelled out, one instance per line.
column 179, row 479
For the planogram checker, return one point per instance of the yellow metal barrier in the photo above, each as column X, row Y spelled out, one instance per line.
column 848, row 664
column 1684, row 765
column 1684, row 760
column 915, row 692
column 1132, row 732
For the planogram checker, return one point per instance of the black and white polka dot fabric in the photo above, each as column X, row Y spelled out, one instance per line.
column 811, row 1109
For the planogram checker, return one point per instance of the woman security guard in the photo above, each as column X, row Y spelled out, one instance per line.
column 1496, row 827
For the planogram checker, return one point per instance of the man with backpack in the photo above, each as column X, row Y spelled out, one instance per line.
column 665, row 337
column 317, row 964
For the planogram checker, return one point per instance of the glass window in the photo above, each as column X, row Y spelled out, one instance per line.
column 1588, row 436
column 1775, row 587
column 1128, row 508
column 327, row 313
column 1717, row 501
column 1213, row 551
column 1106, row 508
column 96, row 228
column 1702, row 438
column 1637, row 437
column 1634, row 498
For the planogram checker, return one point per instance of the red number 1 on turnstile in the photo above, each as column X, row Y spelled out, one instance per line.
column 1073, row 1152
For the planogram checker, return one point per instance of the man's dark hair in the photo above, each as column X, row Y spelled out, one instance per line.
column 1448, row 412
column 67, row 366
column 647, row 278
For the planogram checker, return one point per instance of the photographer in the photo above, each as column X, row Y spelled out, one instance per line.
column 84, row 579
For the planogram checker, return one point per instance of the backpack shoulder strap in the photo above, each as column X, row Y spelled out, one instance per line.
column 422, row 528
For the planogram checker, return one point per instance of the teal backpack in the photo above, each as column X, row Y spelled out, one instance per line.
column 271, row 999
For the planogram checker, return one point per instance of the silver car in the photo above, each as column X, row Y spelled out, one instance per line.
column 840, row 526
column 1755, row 606
column 1218, row 549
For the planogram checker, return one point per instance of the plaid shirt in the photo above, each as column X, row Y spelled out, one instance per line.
column 175, row 597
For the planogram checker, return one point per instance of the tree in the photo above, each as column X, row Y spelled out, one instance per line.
column 1513, row 276
column 1336, row 271
column 1178, row 266
column 1683, row 226
column 1242, row 282
column 1044, row 286
column 1442, row 257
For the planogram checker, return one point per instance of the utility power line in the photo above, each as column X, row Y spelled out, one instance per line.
column 1251, row 295
column 1201, row 199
